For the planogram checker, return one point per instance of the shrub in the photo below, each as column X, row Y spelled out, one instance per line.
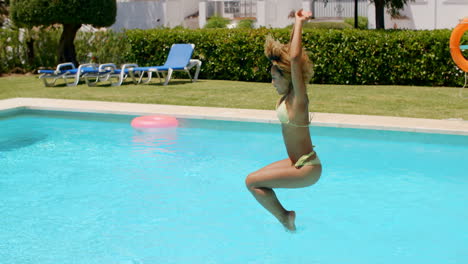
column 14, row 51
column 362, row 22
column 346, row 56
column 324, row 25
column 217, row 22
column 11, row 50
column 246, row 23
column 104, row 46
column 340, row 56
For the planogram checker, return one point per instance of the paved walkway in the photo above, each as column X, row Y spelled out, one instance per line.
column 458, row 127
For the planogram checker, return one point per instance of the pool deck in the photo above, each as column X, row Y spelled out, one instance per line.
column 458, row 127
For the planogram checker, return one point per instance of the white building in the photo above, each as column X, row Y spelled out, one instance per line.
column 144, row 14
column 269, row 13
column 425, row 14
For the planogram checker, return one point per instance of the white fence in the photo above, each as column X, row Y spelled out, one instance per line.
column 338, row 8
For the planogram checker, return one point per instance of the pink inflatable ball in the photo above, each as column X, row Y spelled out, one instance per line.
column 154, row 122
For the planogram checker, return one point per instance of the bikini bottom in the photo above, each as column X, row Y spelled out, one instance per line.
column 306, row 161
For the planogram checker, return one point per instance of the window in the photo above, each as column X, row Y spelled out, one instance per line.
column 232, row 7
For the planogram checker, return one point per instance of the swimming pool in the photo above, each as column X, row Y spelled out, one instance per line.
column 87, row 188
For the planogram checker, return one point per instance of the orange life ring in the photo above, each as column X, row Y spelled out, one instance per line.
column 455, row 49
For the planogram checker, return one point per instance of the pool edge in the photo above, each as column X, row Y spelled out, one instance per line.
column 455, row 127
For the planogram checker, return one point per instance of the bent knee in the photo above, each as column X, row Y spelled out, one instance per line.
column 313, row 180
column 315, row 176
column 250, row 181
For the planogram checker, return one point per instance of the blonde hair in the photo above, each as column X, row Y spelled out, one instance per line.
column 278, row 54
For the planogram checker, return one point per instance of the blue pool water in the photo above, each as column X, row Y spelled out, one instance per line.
column 87, row 188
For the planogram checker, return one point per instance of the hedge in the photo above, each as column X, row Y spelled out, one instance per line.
column 349, row 56
column 14, row 51
column 227, row 54
column 362, row 22
column 100, row 47
column 340, row 56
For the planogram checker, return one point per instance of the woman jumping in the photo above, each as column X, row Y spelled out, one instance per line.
column 291, row 71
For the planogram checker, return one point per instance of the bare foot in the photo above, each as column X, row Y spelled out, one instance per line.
column 289, row 222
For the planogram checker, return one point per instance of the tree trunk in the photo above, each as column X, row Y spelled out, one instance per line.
column 356, row 14
column 379, row 14
column 66, row 52
column 30, row 51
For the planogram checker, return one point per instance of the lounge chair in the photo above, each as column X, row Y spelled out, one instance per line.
column 108, row 72
column 179, row 59
column 66, row 71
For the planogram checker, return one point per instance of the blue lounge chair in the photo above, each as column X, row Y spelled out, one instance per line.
column 179, row 59
column 108, row 72
column 66, row 71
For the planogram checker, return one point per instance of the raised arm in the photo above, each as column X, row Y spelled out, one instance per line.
column 295, row 52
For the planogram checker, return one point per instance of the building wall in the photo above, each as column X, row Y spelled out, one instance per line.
column 425, row 14
column 275, row 12
column 420, row 14
column 178, row 10
column 145, row 14
column 139, row 14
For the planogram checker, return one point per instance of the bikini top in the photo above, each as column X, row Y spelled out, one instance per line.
column 282, row 113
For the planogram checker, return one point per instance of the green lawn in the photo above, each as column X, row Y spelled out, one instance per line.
column 404, row 101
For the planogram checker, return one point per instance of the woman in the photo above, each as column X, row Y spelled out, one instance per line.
column 291, row 71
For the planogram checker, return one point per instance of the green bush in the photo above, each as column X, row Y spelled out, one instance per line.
column 323, row 25
column 14, row 50
column 362, row 22
column 384, row 57
column 217, row 22
column 102, row 47
column 246, row 23
column 346, row 56
column 326, row 25
column 10, row 50
column 340, row 56
column 227, row 54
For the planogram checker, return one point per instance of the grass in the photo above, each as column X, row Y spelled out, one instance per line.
column 402, row 101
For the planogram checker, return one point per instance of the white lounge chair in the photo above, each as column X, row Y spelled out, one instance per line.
column 108, row 72
column 66, row 71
